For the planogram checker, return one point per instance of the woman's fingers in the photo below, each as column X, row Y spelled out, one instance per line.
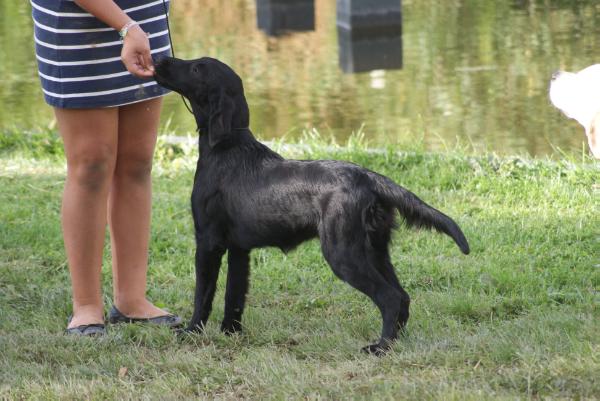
column 148, row 63
column 135, row 64
column 130, row 62
column 136, row 53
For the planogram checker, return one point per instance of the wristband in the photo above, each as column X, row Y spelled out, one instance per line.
column 125, row 29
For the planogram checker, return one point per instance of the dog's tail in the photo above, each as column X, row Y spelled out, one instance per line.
column 417, row 213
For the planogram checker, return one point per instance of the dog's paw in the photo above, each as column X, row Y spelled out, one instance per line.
column 376, row 349
column 191, row 329
column 231, row 327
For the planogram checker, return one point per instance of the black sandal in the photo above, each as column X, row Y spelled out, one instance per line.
column 169, row 320
column 86, row 330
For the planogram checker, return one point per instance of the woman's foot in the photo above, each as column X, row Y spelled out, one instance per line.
column 87, row 330
column 86, row 315
column 144, row 312
column 87, row 320
column 142, row 309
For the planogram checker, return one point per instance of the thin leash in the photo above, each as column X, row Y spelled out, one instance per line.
column 173, row 53
column 173, row 49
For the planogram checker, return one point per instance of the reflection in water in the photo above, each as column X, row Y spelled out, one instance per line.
column 369, row 35
column 473, row 72
column 278, row 17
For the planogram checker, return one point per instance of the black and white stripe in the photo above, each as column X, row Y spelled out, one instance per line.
column 79, row 57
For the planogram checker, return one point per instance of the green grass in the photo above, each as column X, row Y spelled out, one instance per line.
column 518, row 318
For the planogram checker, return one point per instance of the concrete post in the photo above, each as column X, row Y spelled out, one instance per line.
column 369, row 34
column 278, row 17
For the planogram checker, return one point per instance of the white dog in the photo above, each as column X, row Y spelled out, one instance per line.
column 578, row 96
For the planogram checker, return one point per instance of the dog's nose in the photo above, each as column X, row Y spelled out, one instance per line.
column 555, row 75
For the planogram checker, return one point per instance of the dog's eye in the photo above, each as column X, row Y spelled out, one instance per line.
column 197, row 69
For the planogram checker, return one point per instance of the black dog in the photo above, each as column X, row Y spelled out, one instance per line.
column 246, row 196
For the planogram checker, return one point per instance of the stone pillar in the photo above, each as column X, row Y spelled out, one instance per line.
column 369, row 34
column 278, row 17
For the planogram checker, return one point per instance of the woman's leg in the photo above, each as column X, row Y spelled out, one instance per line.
column 90, row 141
column 130, row 207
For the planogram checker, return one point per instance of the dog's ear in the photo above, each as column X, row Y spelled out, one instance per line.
column 221, row 115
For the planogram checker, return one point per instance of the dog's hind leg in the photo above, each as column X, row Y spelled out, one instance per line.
column 379, row 221
column 208, row 263
column 386, row 268
column 350, row 262
column 379, row 258
column 237, row 286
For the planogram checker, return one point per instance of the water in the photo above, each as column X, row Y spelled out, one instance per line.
column 474, row 72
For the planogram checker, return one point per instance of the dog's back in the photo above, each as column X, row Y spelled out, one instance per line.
column 277, row 202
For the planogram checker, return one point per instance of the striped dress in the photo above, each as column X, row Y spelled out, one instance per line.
column 79, row 57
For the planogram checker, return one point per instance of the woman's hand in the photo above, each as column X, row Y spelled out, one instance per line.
column 136, row 47
column 136, row 53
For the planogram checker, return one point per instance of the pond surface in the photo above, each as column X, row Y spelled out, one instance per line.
column 473, row 72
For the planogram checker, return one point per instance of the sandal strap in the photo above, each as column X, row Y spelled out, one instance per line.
column 94, row 329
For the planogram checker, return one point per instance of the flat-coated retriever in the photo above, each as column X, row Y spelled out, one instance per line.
column 246, row 196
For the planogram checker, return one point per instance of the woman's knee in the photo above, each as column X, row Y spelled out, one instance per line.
column 134, row 167
column 92, row 169
column 90, row 139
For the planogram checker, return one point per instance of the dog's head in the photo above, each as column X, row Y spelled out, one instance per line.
column 214, row 90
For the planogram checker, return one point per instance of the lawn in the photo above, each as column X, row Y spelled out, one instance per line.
column 518, row 318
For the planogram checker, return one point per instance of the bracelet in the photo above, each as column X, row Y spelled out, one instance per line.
column 125, row 29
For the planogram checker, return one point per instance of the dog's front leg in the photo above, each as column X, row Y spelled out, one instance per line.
column 208, row 263
column 237, row 286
